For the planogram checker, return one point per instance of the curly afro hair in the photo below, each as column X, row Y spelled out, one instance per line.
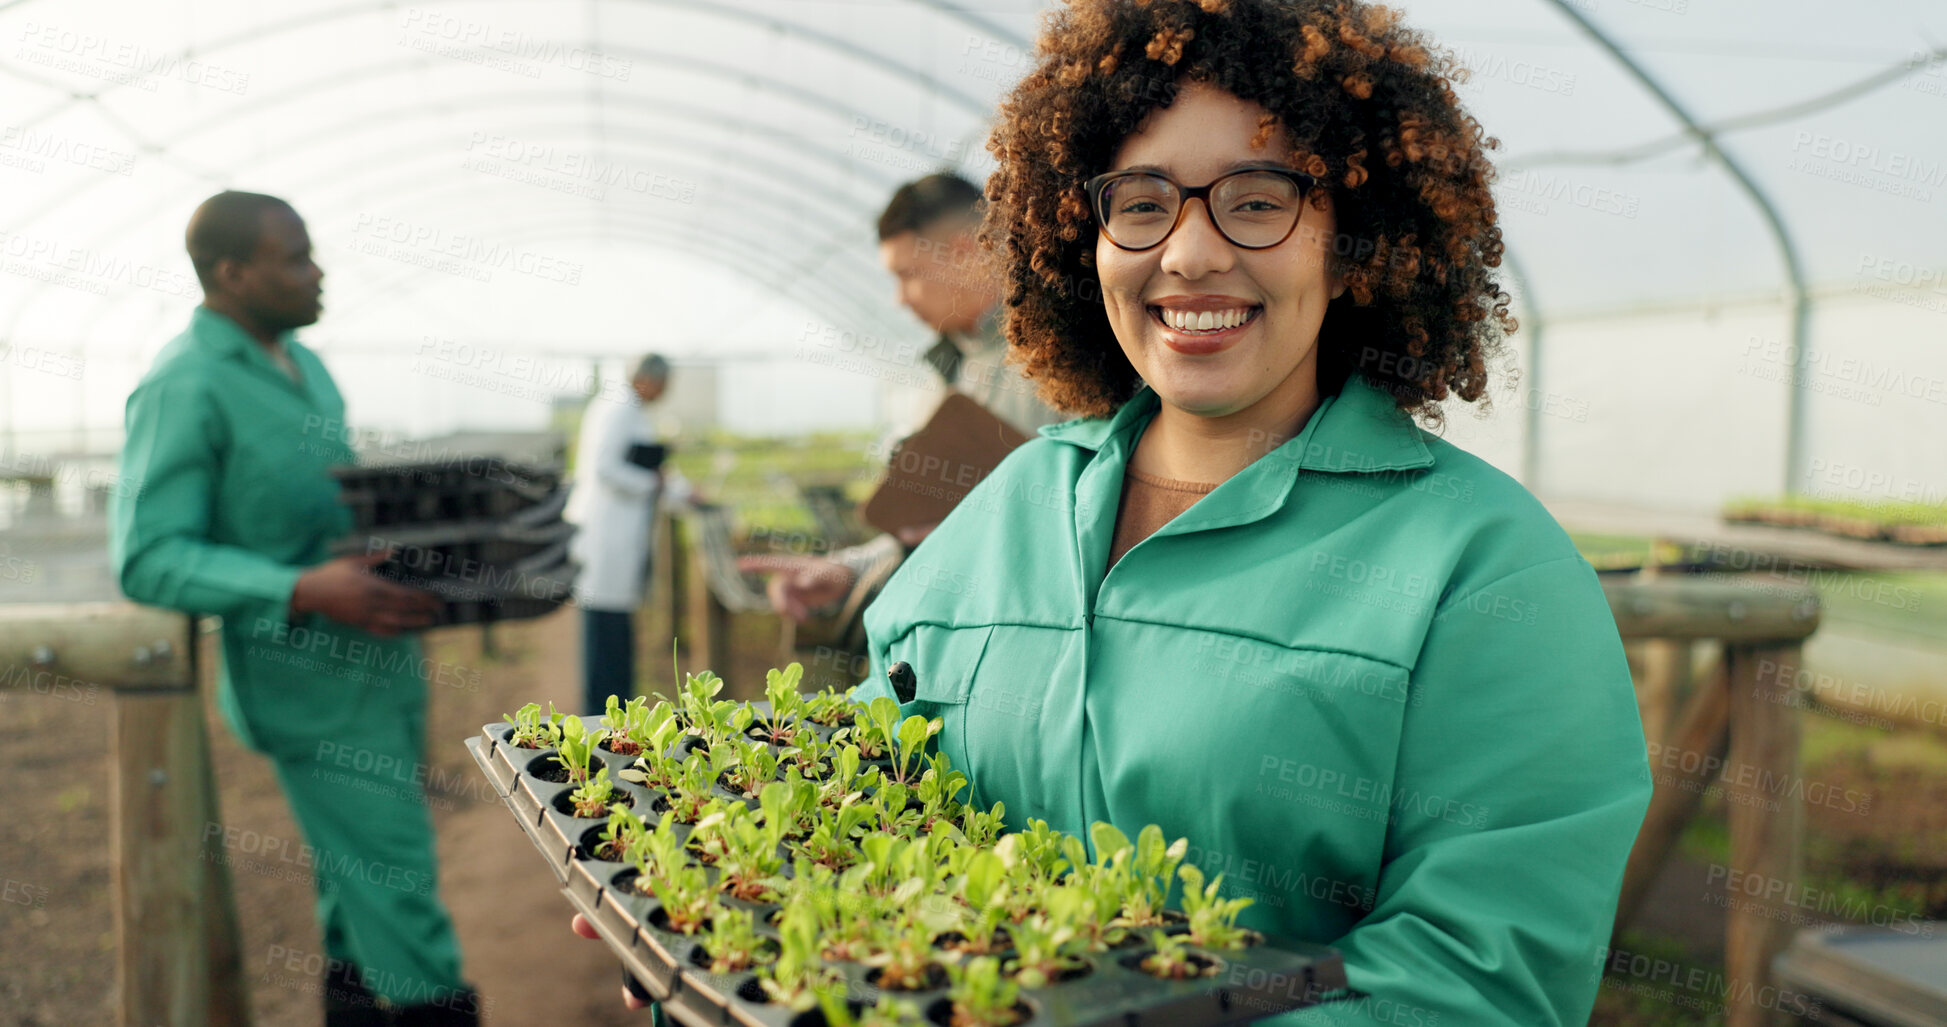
column 1368, row 107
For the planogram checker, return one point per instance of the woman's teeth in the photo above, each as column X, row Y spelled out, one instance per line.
column 1204, row 320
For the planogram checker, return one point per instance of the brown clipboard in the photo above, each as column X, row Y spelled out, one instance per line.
column 934, row 468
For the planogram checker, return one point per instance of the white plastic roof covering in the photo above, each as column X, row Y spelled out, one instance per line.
column 500, row 188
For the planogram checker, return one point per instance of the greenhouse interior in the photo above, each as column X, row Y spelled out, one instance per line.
column 799, row 464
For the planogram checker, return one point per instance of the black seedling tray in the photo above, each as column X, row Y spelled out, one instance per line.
column 485, row 536
column 477, row 488
column 1274, row 976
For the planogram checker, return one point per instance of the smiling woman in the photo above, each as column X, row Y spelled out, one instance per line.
column 1361, row 670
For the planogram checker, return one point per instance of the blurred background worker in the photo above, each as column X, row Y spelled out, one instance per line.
column 619, row 479
column 231, row 511
column 926, row 239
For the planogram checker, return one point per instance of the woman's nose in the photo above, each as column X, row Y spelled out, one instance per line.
column 1195, row 248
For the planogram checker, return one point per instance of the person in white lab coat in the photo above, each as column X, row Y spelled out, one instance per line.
column 614, row 504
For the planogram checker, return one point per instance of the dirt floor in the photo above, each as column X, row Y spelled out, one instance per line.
column 57, row 940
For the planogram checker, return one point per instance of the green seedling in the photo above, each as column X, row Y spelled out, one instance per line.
column 789, row 806
column 576, row 749
column 684, row 890
column 1172, row 959
column 780, row 725
column 875, row 729
column 983, row 888
column 887, row 1012
column 906, row 739
column 1044, row 949
column 902, row 949
column 834, row 842
column 828, row 707
column 894, row 817
column 755, row 766
column 734, row 944
column 800, row 974
column 615, row 725
column 1037, row 851
column 1213, row 921
column 846, row 781
column 624, row 832
column 591, row 799
column 980, row 830
column 807, row 755
column 656, row 732
column 981, row 996
column 708, row 717
column 1143, row 872
column 938, row 791
column 530, row 730
column 695, row 783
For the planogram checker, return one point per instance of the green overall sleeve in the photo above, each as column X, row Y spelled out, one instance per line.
column 160, row 521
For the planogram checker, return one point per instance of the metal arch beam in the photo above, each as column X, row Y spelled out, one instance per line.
column 313, row 88
column 1533, row 320
column 736, row 256
column 855, row 274
column 830, row 42
column 764, row 267
column 850, row 217
column 188, row 132
column 681, row 113
column 994, row 31
column 739, row 14
column 1794, row 271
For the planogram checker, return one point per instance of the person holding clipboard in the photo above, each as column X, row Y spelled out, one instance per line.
column 619, row 479
column 926, row 241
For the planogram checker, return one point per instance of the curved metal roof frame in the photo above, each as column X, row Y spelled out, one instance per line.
column 860, row 275
column 708, row 7
column 1774, row 221
column 310, row 90
column 738, row 257
column 793, row 278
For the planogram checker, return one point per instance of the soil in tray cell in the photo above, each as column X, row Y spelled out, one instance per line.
column 1199, row 966
column 932, row 979
column 548, row 768
column 564, row 803
column 941, row 1012
column 591, row 843
column 621, row 748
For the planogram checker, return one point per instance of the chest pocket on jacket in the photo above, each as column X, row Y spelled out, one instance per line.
column 944, row 662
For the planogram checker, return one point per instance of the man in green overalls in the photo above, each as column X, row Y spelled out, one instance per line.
column 229, row 510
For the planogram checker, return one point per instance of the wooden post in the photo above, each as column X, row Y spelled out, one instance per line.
column 179, row 956
column 706, row 622
column 1666, row 671
column 1767, row 815
column 1695, row 746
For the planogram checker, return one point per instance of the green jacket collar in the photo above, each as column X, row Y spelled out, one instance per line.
column 1360, row 430
column 218, row 334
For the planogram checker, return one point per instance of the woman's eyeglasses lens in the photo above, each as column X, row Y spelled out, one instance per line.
column 1253, row 209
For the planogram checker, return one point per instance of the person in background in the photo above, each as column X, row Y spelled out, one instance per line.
column 232, row 514
column 926, row 240
column 618, row 482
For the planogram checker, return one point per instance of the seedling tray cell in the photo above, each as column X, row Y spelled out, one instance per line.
column 1270, row 976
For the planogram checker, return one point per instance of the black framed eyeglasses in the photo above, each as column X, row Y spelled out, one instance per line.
column 1255, row 207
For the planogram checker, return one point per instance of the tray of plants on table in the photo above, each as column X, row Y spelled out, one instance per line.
column 808, row 860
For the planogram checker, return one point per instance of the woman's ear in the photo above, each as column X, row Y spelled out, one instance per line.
column 1337, row 282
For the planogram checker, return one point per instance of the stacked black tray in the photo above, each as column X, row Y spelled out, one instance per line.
column 483, row 534
column 1274, row 976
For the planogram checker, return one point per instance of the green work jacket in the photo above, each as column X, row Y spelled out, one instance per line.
column 1368, row 677
column 226, row 497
